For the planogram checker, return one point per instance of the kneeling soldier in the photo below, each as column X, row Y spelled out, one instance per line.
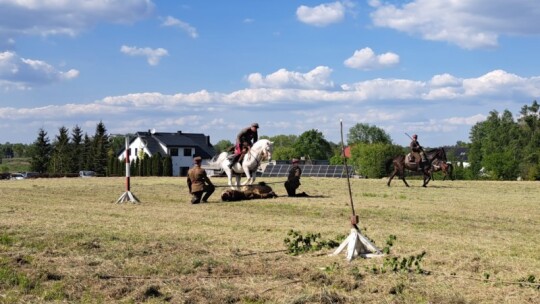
column 198, row 183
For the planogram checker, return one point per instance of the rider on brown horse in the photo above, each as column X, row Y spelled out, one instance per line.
column 416, row 148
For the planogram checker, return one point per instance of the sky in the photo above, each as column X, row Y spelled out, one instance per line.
column 432, row 68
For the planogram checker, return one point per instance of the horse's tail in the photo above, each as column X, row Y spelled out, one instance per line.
column 217, row 159
column 388, row 165
column 451, row 171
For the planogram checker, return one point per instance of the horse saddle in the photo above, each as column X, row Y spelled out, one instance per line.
column 414, row 160
column 412, row 157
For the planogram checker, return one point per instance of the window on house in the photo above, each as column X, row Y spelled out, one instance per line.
column 136, row 153
column 187, row 152
column 174, row 151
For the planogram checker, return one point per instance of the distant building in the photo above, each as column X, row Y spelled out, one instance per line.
column 180, row 146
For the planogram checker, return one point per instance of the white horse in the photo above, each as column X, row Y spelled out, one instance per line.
column 261, row 150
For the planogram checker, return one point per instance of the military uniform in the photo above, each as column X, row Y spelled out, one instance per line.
column 246, row 138
column 293, row 180
column 199, row 183
column 416, row 148
column 247, row 135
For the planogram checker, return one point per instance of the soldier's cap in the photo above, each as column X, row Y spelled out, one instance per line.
column 197, row 159
column 294, row 160
column 256, row 125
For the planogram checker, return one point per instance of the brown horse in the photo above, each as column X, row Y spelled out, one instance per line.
column 401, row 164
column 446, row 169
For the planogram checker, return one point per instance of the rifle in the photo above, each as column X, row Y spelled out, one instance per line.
column 422, row 149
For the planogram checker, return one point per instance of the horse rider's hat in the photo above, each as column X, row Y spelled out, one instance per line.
column 294, row 160
column 256, row 125
column 197, row 159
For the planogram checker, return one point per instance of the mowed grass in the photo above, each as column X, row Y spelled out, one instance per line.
column 66, row 240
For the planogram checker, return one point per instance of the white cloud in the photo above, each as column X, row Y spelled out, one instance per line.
column 444, row 80
column 468, row 24
column 471, row 120
column 53, row 17
column 321, row 15
column 184, row 26
column 21, row 73
column 440, row 107
column 318, row 78
column 365, row 59
column 153, row 56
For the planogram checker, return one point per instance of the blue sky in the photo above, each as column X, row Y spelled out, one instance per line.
column 434, row 68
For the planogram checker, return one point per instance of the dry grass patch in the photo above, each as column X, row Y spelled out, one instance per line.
column 66, row 240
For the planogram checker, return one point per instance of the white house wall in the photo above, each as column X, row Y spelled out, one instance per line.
column 135, row 148
column 178, row 162
column 181, row 161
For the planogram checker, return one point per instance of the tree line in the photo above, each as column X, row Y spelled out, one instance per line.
column 500, row 148
column 70, row 153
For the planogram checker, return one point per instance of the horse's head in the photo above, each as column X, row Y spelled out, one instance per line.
column 442, row 154
column 267, row 149
column 439, row 154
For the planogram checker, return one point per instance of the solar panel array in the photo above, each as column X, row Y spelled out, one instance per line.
column 282, row 170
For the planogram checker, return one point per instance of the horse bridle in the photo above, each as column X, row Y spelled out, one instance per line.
column 263, row 152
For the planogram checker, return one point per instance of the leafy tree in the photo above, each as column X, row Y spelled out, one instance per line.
column 100, row 148
column 364, row 133
column 118, row 142
column 61, row 153
column 371, row 159
column 529, row 125
column 283, row 140
column 495, row 146
column 284, row 153
column 21, row 150
column 8, row 151
column 41, row 152
column 312, row 145
column 223, row 145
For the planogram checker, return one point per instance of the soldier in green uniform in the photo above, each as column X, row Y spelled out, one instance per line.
column 198, row 183
column 293, row 180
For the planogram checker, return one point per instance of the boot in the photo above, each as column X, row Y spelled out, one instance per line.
column 234, row 160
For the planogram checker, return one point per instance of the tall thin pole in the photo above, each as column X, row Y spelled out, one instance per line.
column 354, row 219
column 127, row 164
column 127, row 196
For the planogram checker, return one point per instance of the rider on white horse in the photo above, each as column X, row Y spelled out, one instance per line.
column 244, row 140
column 261, row 150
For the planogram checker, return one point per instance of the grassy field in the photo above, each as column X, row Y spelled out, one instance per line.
column 12, row 165
column 65, row 240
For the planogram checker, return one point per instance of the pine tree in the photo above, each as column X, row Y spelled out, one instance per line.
column 167, row 166
column 77, row 148
column 41, row 152
column 87, row 155
column 61, row 154
column 100, row 148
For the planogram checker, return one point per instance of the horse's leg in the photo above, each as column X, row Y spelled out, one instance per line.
column 229, row 178
column 427, row 177
column 403, row 178
column 391, row 177
column 248, row 180
column 402, row 175
column 237, row 185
